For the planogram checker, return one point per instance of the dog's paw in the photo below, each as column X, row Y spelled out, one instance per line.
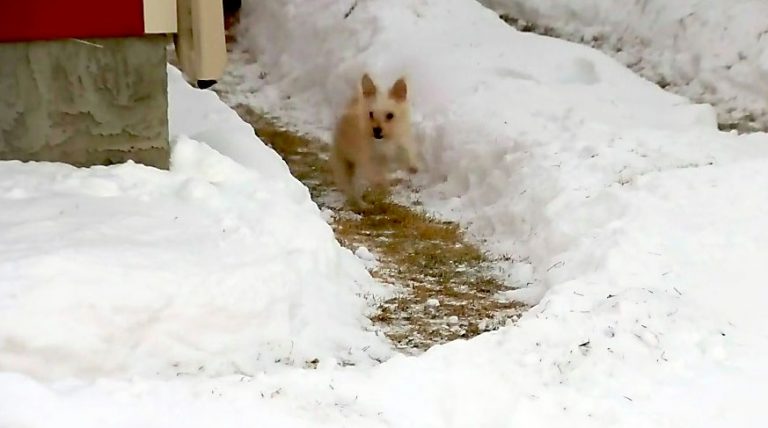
column 380, row 183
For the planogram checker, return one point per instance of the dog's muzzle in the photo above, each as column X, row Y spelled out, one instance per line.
column 377, row 133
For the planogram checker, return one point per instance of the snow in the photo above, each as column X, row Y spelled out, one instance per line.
column 216, row 267
column 366, row 257
column 713, row 51
column 636, row 223
column 640, row 229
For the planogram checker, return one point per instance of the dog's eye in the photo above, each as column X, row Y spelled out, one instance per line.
column 390, row 116
column 370, row 114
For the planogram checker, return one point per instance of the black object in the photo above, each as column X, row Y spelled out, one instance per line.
column 205, row 84
column 231, row 6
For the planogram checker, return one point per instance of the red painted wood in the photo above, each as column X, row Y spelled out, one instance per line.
column 24, row 20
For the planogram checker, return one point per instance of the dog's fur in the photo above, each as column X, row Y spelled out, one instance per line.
column 370, row 135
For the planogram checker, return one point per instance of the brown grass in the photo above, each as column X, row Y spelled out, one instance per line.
column 425, row 259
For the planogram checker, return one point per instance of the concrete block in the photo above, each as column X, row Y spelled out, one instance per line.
column 85, row 102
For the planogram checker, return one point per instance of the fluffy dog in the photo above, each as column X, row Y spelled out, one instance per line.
column 370, row 137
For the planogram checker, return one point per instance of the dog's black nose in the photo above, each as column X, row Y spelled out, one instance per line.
column 377, row 133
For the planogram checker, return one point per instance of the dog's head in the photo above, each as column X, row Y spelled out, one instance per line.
column 388, row 114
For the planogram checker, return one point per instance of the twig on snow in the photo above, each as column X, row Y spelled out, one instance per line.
column 556, row 265
column 351, row 9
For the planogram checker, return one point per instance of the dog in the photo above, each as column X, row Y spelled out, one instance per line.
column 370, row 137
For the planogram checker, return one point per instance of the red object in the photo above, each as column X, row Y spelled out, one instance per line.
column 25, row 20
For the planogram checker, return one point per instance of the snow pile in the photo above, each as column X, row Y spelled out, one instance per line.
column 714, row 51
column 643, row 224
column 518, row 129
column 216, row 267
column 643, row 229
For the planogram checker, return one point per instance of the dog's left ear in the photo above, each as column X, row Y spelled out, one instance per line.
column 399, row 90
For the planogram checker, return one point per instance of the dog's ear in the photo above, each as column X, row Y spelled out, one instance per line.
column 369, row 89
column 399, row 90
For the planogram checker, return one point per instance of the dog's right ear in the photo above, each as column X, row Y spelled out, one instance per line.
column 369, row 89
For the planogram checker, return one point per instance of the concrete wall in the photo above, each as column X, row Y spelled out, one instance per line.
column 100, row 102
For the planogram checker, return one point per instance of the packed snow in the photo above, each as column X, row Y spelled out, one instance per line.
column 714, row 51
column 638, row 229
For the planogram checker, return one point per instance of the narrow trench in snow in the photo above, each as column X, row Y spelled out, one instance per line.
column 444, row 286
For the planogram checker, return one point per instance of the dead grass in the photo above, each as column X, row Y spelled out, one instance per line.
column 445, row 289
column 449, row 292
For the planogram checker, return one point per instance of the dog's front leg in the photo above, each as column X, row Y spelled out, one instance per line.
column 372, row 170
column 412, row 154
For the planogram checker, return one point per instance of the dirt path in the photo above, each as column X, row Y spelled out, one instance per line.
column 444, row 286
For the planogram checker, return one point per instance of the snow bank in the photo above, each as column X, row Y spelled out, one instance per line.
column 642, row 222
column 219, row 266
column 646, row 228
column 517, row 128
column 714, row 51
